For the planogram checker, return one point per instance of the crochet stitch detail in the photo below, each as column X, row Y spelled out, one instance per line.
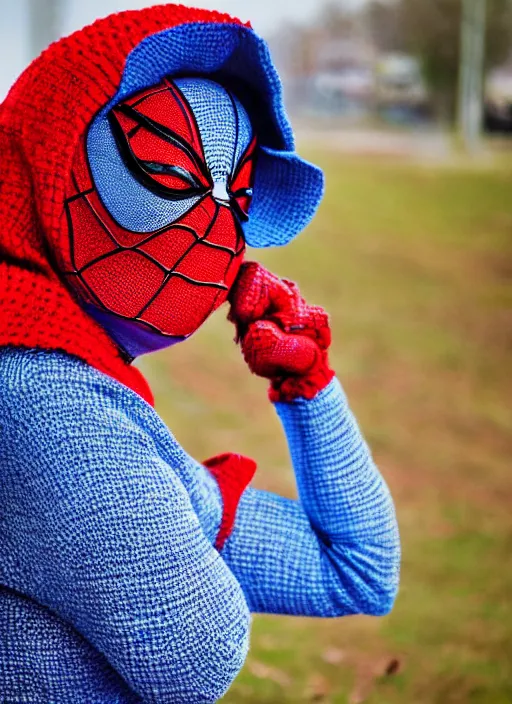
column 109, row 578
column 39, row 131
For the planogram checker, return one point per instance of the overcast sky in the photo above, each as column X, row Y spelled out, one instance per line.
column 265, row 16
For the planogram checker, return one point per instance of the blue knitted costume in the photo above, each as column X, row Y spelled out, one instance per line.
column 115, row 587
column 108, row 524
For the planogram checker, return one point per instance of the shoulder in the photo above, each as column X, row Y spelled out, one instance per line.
column 54, row 406
column 45, row 394
column 46, row 379
column 58, row 413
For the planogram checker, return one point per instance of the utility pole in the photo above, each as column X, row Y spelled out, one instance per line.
column 44, row 23
column 471, row 77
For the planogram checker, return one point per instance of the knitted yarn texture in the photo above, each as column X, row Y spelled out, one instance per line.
column 129, row 570
column 49, row 109
column 282, row 337
column 41, row 121
column 159, row 193
column 112, row 589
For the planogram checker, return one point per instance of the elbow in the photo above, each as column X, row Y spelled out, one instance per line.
column 199, row 669
column 381, row 565
column 380, row 602
column 381, row 589
column 224, row 662
column 365, row 582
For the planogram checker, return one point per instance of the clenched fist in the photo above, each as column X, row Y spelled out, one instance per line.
column 282, row 338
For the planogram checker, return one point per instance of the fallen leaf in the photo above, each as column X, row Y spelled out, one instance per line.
column 318, row 688
column 393, row 667
column 367, row 674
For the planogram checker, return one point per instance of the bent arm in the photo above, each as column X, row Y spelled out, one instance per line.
column 335, row 551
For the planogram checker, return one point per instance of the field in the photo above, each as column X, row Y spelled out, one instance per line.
column 415, row 265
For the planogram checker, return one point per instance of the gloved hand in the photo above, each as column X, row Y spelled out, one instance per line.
column 282, row 338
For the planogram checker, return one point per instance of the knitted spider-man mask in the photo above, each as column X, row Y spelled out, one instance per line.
column 159, row 190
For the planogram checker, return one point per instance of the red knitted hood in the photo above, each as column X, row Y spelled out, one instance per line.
column 41, row 121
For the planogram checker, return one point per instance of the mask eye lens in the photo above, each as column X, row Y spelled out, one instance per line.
column 160, row 160
column 241, row 186
column 241, row 201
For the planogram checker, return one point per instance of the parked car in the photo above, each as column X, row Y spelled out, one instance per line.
column 401, row 93
column 498, row 101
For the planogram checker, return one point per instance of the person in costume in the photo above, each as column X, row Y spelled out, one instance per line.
column 139, row 157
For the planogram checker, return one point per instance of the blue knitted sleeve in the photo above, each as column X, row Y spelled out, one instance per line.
column 336, row 550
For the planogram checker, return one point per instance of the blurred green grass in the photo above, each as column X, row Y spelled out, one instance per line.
column 414, row 263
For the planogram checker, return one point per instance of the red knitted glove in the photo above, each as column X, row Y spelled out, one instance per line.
column 282, row 338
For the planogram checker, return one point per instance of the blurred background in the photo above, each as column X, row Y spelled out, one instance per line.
column 407, row 106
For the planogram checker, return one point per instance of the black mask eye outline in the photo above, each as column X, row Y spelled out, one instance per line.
column 153, row 167
column 144, row 171
column 249, row 156
column 241, row 193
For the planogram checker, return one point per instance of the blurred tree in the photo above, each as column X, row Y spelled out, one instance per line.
column 337, row 20
column 427, row 29
column 431, row 30
column 382, row 21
